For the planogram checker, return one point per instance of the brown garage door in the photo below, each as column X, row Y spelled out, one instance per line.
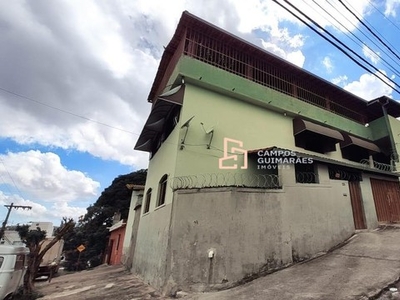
column 387, row 200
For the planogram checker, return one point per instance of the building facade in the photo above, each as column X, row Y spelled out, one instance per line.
column 115, row 243
column 255, row 163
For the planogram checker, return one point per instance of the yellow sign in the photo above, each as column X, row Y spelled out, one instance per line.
column 81, row 248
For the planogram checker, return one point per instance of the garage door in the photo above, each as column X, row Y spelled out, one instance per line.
column 387, row 200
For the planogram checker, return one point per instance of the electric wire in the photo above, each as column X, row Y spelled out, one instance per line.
column 370, row 30
column 12, row 179
column 390, row 21
column 339, row 47
column 361, row 43
column 66, row 112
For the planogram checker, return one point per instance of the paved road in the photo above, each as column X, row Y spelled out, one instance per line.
column 369, row 262
column 102, row 283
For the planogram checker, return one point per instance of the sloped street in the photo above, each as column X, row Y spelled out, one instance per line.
column 366, row 267
column 102, row 283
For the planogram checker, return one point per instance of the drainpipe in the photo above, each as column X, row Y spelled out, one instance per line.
column 394, row 156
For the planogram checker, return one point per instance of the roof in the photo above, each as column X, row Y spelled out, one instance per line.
column 117, row 225
column 344, row 97
column 135, row 187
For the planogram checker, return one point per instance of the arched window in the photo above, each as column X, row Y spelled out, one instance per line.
column 162, row 189
column 147, row 201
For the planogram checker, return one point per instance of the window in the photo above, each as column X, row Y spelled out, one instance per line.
column 1, row 261
column 162, row 189
column 19, row 262
column 315, row 137
column 147, row 202
column 342, row 173
column 306, row 173
column 315, row 142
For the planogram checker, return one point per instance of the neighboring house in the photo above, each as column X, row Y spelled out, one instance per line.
column 115, row 243
column 255, row 163
column 11, row 237
column 46, row 226
column 132, row 224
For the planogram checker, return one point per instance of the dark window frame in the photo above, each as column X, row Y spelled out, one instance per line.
column 162, row 190
column 147, row 201
column 306, row 173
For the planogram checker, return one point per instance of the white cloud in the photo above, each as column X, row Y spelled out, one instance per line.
column 54, row 213
column 390, row 7
column 373, row 56
column 369, row 87
column 327, row 62
column 340, row 80
column 42, row 176
column 295, row 57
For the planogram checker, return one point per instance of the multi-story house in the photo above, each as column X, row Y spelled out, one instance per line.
column 255, row 163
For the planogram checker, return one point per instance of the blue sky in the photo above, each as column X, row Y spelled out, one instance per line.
column 75, row 76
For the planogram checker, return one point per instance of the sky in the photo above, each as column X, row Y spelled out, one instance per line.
column 75, row 76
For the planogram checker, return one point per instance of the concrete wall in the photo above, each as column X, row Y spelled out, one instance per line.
column 243, row 228
column 319, row 216
column 131, row 231
column 253, row 231
column 368, row 201
column 149, row 260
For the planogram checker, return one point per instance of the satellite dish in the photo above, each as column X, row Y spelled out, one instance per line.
column 209, row 130
column 187, row 122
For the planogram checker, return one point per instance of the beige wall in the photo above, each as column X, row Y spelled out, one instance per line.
column 149, row 260
column 368, row 200
column 129, row 225
column 253, row 231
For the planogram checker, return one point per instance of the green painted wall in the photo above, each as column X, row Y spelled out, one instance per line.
column 395, row 126
column 379, row 128
column 163, row 162
column 216, row 79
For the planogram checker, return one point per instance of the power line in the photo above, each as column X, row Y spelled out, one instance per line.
column 66, row 112
column 12, row 179
column 337, row 46
column 370, row 30
column 393, row 69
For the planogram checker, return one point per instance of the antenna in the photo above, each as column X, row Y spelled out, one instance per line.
column 208, row 131
column 186, row 124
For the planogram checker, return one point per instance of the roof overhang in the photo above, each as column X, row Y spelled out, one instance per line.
column 300, row 125
column 351, row 140
column 158, row 116
column 392, row 106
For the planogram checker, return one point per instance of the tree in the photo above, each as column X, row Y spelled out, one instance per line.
column 92, row 230
column 34, row 240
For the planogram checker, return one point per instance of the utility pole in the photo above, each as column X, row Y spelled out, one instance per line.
column 10, row 207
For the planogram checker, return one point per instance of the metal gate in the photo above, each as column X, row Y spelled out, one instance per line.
column 356, row 205
column 387, row 200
